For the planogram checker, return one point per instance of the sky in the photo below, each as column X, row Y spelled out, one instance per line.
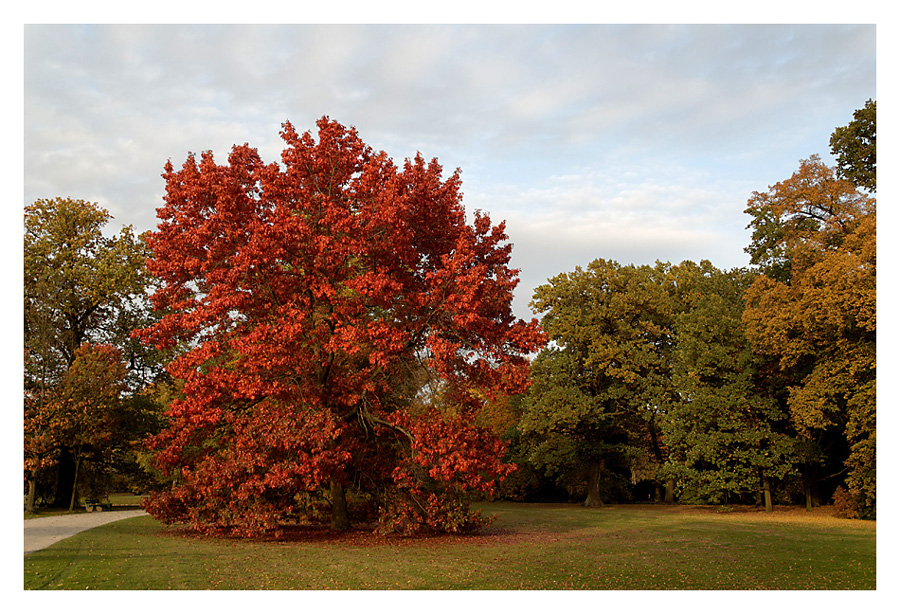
column 633, row 143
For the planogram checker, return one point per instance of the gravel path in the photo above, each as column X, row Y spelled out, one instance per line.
column 41, row 532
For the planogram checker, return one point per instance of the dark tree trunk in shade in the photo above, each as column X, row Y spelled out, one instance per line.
column 767, row 493
column 670, row 491
column 340, row 518
column 595, row 469
column 66, row 478
column 809, row 485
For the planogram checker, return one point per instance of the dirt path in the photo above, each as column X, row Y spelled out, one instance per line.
column 42, row 532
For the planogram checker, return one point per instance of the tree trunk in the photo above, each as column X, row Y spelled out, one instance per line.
column 767, row 493
column 809, row 485
column 593, row 497
column 29, row 501
column 670, row 491
column 65, row 478
column 74, row 485
column 340, row 519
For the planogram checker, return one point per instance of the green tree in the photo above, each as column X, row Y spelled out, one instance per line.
column 727, row 435
column 599, row 389
column 80, row 285
column 814, row 313
column 854, row 147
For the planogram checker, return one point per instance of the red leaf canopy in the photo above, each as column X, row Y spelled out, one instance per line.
column 309, row 298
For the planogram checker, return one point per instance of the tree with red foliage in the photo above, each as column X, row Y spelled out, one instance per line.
column 310, row 298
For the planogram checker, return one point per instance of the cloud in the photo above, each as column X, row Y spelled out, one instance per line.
column 627, row 214
column 628, row 142
column 499, row 89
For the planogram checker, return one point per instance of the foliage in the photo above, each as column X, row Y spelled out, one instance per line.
column 141, row 416
column 599, row 387
column 89, row 395
column 813, row 312
column 854, row 147
column 846, row 503
column 81, row 413
column 727, row 434
column 310, row 298
column 649, row 375
column 80, row 286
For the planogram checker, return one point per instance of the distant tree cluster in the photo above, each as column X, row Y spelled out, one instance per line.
column 688, row 382
column 330, row 339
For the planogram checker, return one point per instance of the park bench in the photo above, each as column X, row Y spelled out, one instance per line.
column 97, row 505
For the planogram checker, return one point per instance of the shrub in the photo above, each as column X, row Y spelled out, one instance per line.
column 846, row 503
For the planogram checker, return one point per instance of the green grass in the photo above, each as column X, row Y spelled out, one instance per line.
column 529, row 546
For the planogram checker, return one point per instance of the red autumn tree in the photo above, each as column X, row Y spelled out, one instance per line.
column 312, row 298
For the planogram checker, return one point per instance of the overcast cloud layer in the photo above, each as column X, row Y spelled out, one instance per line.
column 631, row 143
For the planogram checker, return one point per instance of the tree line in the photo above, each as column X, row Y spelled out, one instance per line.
column 703, row 385
column 331, row 340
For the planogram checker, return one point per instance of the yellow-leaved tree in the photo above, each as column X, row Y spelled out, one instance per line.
column 812, row 312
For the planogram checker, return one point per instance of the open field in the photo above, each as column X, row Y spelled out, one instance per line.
column 529, row 546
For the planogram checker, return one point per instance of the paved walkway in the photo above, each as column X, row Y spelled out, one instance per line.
column 41, row 532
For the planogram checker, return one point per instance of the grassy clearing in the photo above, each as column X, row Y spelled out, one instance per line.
column 529, row 546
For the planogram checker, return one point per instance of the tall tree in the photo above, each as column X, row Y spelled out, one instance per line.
column 813, row 309
column 600, row 387
column 308, row 296
column 80, row 286
column 726, row 435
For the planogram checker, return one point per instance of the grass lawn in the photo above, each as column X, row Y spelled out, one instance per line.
column 529, row 546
